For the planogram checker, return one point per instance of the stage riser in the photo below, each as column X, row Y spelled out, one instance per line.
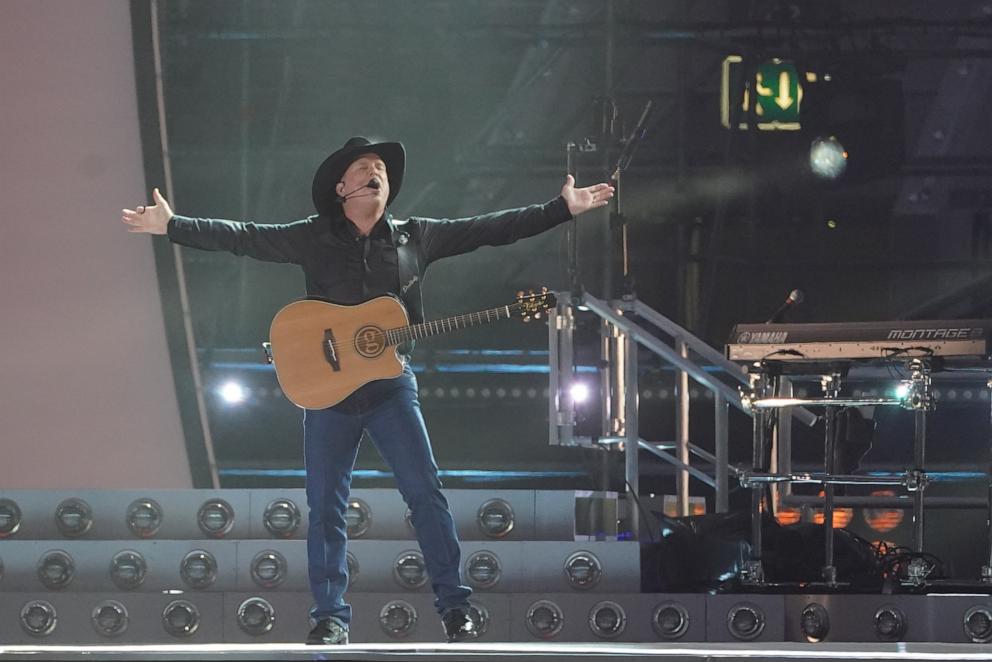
column 525, row 565
column 538, row 514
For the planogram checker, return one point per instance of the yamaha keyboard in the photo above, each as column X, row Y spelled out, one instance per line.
column 861, row 341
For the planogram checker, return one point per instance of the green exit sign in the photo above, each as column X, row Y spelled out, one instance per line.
column 775, row 89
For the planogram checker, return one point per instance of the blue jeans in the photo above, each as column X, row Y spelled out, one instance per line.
column 388, row 411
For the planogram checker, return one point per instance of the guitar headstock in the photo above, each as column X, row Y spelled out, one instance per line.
column 532, row 304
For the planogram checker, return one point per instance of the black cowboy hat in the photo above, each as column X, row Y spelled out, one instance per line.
column 325, row 198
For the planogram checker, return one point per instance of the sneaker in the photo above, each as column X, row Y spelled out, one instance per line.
column 328, row 632
column 460, row 624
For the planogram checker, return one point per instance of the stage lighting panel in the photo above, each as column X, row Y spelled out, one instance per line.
column 815, row 622
column 198, row 569
column 745, row 621
column 282, row 518
column 483, row 569
column 495, row 518
column 144, row 517
column 398, row 619
column 56, row 569
column 890, row 623
column 215, row 518
column 358, row 517
column 544, row 619
column 978, row 624
column 607, row 619
column 38, row 618
column 256, row 616
column 10, row 518
column 269, row 569
column 410, row 570
column 128, row 569
column 583, row 570
column 181, row 618
column 73, row 517
column 670, row 620
column 110, row 618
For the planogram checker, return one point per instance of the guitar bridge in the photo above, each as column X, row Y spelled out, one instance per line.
column 330, row 353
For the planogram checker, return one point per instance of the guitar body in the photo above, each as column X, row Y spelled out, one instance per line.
column 323, row 352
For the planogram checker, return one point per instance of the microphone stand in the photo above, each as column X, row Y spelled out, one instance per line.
column 618, row 224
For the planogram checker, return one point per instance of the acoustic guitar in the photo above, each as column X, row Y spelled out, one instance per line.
column 323, row 351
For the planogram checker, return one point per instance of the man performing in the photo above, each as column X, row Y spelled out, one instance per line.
column 351, row 251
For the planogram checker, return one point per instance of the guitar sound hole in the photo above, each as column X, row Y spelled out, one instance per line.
column 370, row 341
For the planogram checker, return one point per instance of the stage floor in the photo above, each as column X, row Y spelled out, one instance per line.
column 515, row 651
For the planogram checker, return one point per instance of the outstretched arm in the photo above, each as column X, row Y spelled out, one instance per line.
column 580, row 200
column 153, row 219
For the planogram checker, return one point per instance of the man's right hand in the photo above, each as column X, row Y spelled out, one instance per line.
column 153, row 219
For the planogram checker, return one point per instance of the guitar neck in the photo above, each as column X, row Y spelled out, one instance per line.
column 437, row 327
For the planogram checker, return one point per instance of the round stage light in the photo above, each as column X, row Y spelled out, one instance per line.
column 890, row 623
column 10, row 518
column 215, row 517
column 127, row 569
column 815, row 622
column 579, row 392
column 144, row 517
column 583, row 570
column 268, row 569
column 358, row 517
column 353, row 568
column 745, row 621
column 827, row 157
column 74, row 517
column 670, row 620
column 483, row 569
column 398, row 619
column 181, row 618
column 978, row 624
column 256, row 616
column 544, row 619
column 232, row 393
column 410, row 570
column 480, row 615
column 198, row 569
column 281, row 518
column 110, row 618
column 495, row 518
column 38, row 618
column 56, row 569
column 607, row 619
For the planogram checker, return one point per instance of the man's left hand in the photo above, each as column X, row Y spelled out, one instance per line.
column 581, row 200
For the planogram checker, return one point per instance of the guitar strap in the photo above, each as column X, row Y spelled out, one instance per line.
column 407, row 243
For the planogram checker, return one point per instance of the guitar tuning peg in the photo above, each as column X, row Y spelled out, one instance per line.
column 537, row 316
column 544, row 290
column 526, row 318
column 530, row 292
column 520, row 293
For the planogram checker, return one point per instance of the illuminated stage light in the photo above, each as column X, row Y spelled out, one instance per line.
column 269, row 569
column 198, row 569
column 281, row 518
column 144, row 517
column 978, row 624
column 38, row 618
column 890, row 623
column 10, row 518
column 815, row 622
column 110, row 618
column 607, row 619
column 358, row 517
column 410, row 570
column 56, row 569
column 353, row 568
column 579, row 392
column 670, row 620
column 745, row 621
column 181, row 618
column 480, row 615
column 256, row 616
column 398, row 619
column 232, row 393
column 495, row 518
column 583, row 570
column 483, row 569
column 215, row 518
column 827, row 158
column 74, row 517
column 544, row 619
column 883, row 520
column 127, row 569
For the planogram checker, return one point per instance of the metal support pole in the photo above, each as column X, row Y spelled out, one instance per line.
column 721, row 428
column 561, row 417
column 632, row 445
column 829, row 572
column 987, row 568
column 682, row 432
column 919, row 459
